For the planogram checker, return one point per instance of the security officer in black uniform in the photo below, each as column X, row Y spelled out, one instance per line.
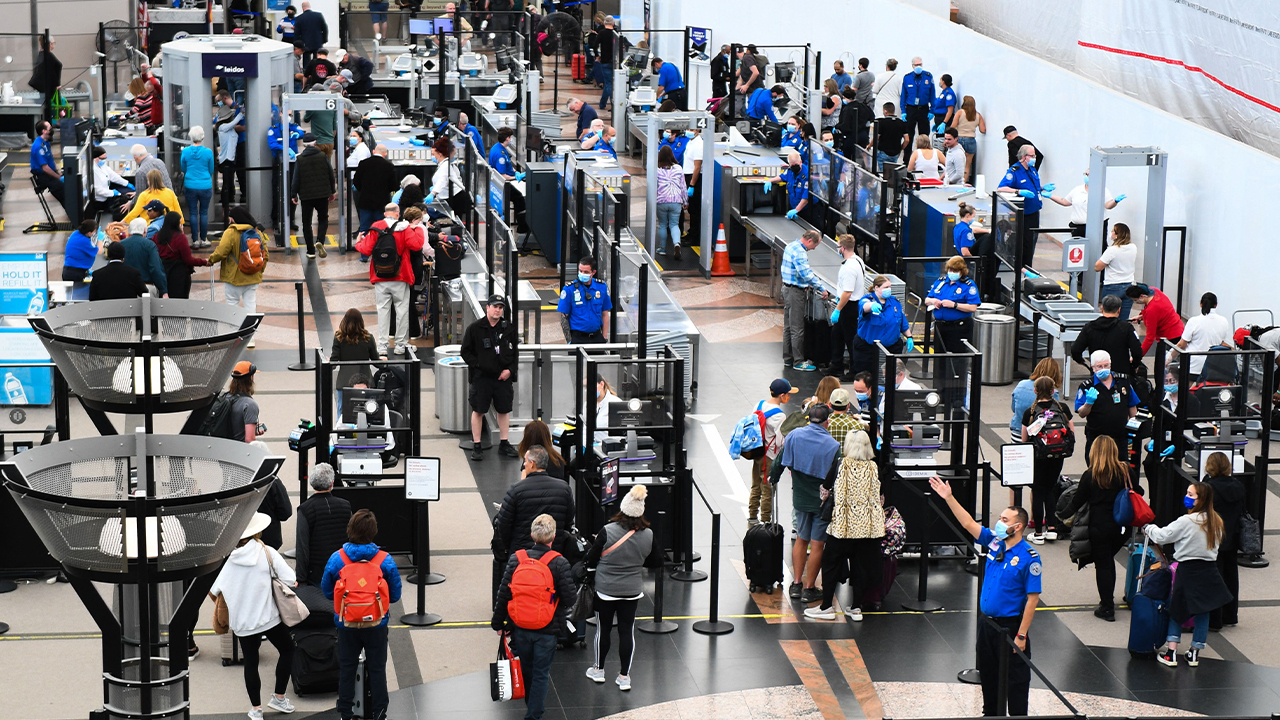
column 1106, row 401
column 952, row 299
column 585, row 304
column 1010, row 594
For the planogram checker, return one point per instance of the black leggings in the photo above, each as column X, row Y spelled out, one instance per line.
column 1104, row 543
column 280, row 637
column 625, row 610
column 1044, row 499
column 864, row 569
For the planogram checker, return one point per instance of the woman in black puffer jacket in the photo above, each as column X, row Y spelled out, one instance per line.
column 1101, row 483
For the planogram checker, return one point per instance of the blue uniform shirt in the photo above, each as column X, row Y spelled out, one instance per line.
column 677, row 146
column 499, row 161
column 916, row 90
column 669, row 77
column 945, row 99
column 605, row 148
column 585, row 305
column 273, row 138
column 794, row 140
column 474, row 133
column 1011, row 576
column 1020, row 178
column 887, row 327
column 797, row 184
column 41, row 155
column 962, row 236
column 963, row 292
column 760, row 105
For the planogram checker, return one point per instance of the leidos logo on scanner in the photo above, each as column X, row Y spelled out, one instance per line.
column 229, row 68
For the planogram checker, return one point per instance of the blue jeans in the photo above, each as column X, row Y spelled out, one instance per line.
column 368, row 218
column 881, row 159
column 607, row 96
column 198, row 211
column 536, row 651
column 1117, row 289
column 377, row 11
column 668, row 222
column 374, row 643
column 1199, row 635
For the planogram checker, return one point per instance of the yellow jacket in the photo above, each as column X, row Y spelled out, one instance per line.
column 164, row 195
column 228, row 253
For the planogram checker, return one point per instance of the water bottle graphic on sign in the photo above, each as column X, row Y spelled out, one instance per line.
column 37, row 304
column 13, row 391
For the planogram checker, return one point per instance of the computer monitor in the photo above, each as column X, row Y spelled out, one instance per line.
column 419, row 26
column 636, row 58
column 908, row 404
column 444, row 25
column 370, row 401
column 1220, row 400
column 632, row 413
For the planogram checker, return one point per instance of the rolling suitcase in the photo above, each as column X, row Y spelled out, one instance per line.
column 579, row 66
column 762, row 551
column 1140, row 556
column 1149, row 619
column 315, row 661
column 230, row 650
column 362, row 706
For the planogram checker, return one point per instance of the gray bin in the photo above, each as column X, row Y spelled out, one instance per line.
column 990, row 309
column 451, row 395
column 994, row 337
column 441, row 353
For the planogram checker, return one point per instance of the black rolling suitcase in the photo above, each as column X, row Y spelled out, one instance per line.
column 762, row 551
column 315, row 661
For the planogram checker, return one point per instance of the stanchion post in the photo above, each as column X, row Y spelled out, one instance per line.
column 423, row 561
column 1002, row 692
column 422, row 618
column 714, row 625
column 302, row 363
column 658, row 626
column 685, row 571
column 922, row 603
column 972, row 676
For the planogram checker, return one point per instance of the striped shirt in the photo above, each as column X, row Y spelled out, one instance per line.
column 795, row 266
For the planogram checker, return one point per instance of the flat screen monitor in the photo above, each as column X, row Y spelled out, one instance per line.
column 444, row 25
column 421, row 27
column 370, row 401
column 1220, row 400
column 907, row 404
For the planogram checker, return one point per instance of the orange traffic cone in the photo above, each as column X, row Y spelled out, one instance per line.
column 720, row 262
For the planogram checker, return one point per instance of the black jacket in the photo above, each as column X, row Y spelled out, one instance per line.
column 376, row 180
column 566, row 589
column 412, row 195
column 362, row 70
column 116, row 281
column 478, row 348
column 313, row 176
column 536, row 494
column 322, row 529
column 1112, row 334
column 1228, row 502
column 1101, row 502
column 275, row 503
column 1018, row 142
column 366, row 350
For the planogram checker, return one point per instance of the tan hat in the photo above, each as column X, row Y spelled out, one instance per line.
column 839, row 398
column 257, row 523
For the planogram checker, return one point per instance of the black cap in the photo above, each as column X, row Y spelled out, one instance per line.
column 496, row 299
column 308, row 138
column 1008, row 129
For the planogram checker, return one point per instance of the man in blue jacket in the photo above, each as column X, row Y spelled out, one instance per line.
column 916, row 99
column 760, row 104
column 141, row 254
column 670, row 84
column 310, row 29
column 361, row 531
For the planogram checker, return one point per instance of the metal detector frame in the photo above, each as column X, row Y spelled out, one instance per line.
column 322, row 102
column 693, row 120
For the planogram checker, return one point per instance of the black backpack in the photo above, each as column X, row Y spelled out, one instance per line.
column 1055, row 439
column 218, row 422
column 386, row 256
column 395, row 381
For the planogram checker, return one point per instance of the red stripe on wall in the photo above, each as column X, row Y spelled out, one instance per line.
column 1179, row 63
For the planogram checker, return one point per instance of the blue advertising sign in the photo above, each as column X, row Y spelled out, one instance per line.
column 229, row 65
column 495, row 193
column 24, row 283
column 23, row 385
column 699, row 50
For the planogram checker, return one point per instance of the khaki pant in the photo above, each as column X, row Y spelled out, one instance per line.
column 327, row 149
column 761, row 498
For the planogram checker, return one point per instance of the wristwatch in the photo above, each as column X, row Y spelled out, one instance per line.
column 1021, row 636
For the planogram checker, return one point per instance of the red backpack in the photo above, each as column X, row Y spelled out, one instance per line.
column 361, row 596
column 533, row 591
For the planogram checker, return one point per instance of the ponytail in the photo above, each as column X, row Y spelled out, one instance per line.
column 1208, row 302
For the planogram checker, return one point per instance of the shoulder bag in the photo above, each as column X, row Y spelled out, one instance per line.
column 292, row 609
column 460, row 202
column 584, row 607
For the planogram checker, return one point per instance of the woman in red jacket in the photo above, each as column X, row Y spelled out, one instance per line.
column 1158, row 314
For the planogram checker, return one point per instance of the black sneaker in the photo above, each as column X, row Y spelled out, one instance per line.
column 193, row 653
column 1167, row 657
column 505, row 448
column 809, row 595
column 1106, row 613
column 795, row 590
column 477, row 452
column 1193, row 657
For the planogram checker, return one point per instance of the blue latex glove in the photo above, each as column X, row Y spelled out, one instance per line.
column 767, row 187
column 840, row 188
column 876, row 307
column 417, row 141
column 941, row 128
column 1151, row 445
column 1090, row 396
column 115, row 193
column 904, row 117
column 1051, row 187
column 1046, row 194
column 878, row 441
column 791, row 214
column 520, row 176
column 429, row 199
column 1026, row 193
column 292, row 155
column 690, row 192
column 1167, row 451
column 131, row 187
column 911, row 344
column 931, row 118
column 835, row 316
column 1118, row 199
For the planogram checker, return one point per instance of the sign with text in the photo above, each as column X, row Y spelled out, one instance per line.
column 1017, row 465
column 24, row 385
column 24, row 283
column 699, row 50
column 422, row 478
column 229, row 65
column 1073, row 255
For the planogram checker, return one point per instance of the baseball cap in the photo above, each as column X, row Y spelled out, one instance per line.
column 781, row 387
column 244, row 368
column 839, row 398
column 496, row 299
column 347, row 75
column 157, row 206
column 1008, row 129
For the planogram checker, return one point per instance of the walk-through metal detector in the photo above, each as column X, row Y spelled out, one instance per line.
column 658, row 124
column 1156, row 161
column 314, row 102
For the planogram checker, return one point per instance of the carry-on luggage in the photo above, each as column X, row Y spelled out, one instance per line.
column 230, row 650
column 1140, row 556
column 1149, row 619
column 762, row 551
column 362, row 706
column 875, row 596
column 579, row 66
column 315, row 661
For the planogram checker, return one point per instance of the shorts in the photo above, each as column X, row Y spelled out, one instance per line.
column 378, row 11
column 970, row 144
column 810, row 526
column 486, row 391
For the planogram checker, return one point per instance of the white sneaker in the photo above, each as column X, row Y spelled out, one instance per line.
column 596, row 674
column 855, row 614
column 1037, row 539
column 282, row 704
column 400, row 349
column 1050, row 535
column 624, row 682
column 255, row 714
column 820, row 613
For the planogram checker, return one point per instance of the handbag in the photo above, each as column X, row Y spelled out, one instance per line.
column 1142, row 512
column 828, row 508
column 1250, row 535
column 460, row 202
column 584, row 605
column 292, row 609
column 1122, row 510
column 221, row 616
column 506, row 681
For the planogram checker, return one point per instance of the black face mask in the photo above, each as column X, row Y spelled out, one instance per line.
column 795, row 167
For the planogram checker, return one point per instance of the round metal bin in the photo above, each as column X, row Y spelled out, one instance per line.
column 994, row 337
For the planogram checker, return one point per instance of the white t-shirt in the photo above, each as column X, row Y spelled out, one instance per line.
column 1270, row 340
column 692, row 151
column 956, row 159
column 852, row 279
column 1079, row 199
column 1121, row 261
column 1203, row 332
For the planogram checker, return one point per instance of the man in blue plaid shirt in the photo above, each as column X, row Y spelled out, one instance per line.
column 797, row 276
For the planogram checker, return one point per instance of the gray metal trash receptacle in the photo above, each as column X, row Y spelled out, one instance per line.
column 990, row 309
column 441, row 353
column 451, row 395
column 994, row 336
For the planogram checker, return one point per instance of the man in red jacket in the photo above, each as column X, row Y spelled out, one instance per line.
column 1158, row 314
column 392, row 275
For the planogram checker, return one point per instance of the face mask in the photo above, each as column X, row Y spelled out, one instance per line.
column 510, row 143
column 1086, row 181
column 689, row 134
column 882, row 292
column 1001, row 531
column 353, row 141
column 1103, row 374
column 439, row 121
column 791, row 129
column 953, row 276
column 584, row 278
column 1171, row 389
column 795, row 167
column 917, row 70
column 1031, row 162
column 1188, row 502
column 102, row 163
column 862, row 397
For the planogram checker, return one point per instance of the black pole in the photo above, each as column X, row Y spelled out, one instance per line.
column 302, row 363
column 714, row 625
column 658, row 626
column 972, row 676
column 422, row 618
column 422, row 561
column 1002, row 692
column 922, row 603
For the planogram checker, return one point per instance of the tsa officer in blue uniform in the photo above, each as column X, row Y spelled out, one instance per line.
column 916, row 99
column 500, row 154
column 1023, row 179
column 1010, row 594
column 585, row 304
column 676, row 140
column 952, row 300
column 43, row 168
column 471, row 131
column 964, row 237
column 796, row 176
column 670, row 84
column 760, row 104
column 944, row 105
column 880, row 319
column 791, row 137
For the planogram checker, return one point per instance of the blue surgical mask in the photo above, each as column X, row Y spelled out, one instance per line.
column 953, row 276
column 353, row 141
column 882, row 292
column 584, row 278
column 1171, row 389
column 1086, row 181
column 1102, row 374
column 439, row 121
column 791, row 129
column 689, row 134
column 917, row 69
column 1001, row 531
column 862, row 397
column 102, row 162
column 1031, row 161
column 1188, row 502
